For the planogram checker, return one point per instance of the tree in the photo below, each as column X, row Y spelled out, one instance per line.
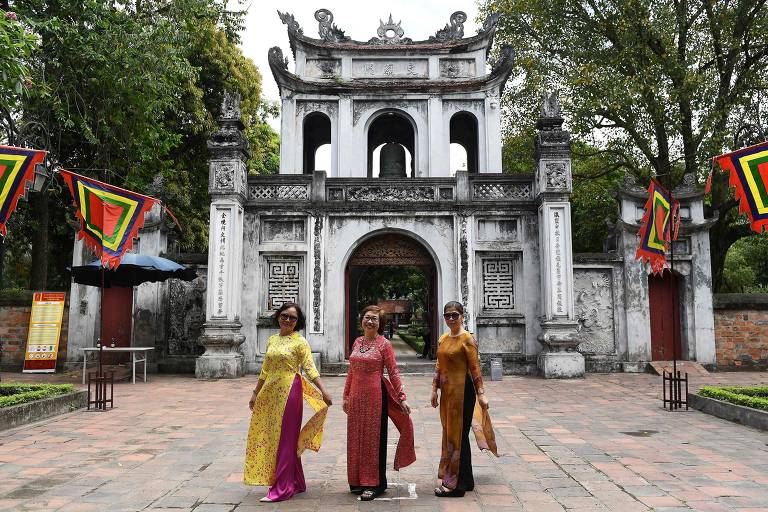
column 129, row 91
column 657, row 87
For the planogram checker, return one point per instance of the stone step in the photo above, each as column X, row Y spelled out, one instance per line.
column 690, row 367
column 405, row 367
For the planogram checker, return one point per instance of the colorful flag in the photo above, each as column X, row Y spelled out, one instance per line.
column 749, row 174
column 17, row 168
column 661, row 223
column 110, row 217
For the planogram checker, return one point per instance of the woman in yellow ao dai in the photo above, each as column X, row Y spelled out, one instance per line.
column 276, row 439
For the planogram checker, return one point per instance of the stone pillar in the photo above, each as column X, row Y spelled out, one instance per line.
column 559, row 357
column 227, row 182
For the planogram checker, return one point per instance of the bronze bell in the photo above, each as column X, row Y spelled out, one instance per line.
column 392, row 161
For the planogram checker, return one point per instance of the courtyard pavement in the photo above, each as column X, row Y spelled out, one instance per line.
column 601, row 443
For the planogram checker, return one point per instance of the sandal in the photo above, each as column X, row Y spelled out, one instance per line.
column 368, row 495
column 445, row 492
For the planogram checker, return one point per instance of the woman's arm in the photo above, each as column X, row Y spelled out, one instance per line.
column 388, row 355
column 319, row 383
column 255, row 393
column 435, row 384
column 473, row 362
column 311, row 370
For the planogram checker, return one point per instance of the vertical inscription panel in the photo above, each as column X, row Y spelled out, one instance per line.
column 223, row 221
column 283, row 281
column 557, row 255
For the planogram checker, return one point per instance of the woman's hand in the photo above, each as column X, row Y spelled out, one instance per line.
column 252, row 401
column 433, row 400
column 483, row 401
column 405, row 407
column 345, row 406
column 327, row 399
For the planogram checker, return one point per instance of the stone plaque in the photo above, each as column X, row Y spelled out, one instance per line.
column 457, row 68
column 593, row 307
column 498, row 283
column 224, row 217
column 390, row 68
column 559, row 271
column 500, row 339
column 282, row 230
column 283, row 278
column 497, row 230
column 186, row 314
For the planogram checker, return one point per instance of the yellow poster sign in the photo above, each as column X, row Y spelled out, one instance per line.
column 44, row 332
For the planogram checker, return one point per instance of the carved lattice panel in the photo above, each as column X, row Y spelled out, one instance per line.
column 391, row 250
column 283, row 279
column 498, row 283
column 278, row 192
column 502, row 191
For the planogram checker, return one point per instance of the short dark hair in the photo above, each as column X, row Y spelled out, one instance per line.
column 380, row 312
column 455, row 305
column 300, row 323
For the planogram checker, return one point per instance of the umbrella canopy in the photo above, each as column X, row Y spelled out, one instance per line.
column 133, row 270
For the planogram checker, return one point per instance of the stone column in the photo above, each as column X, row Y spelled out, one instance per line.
column 559, row 357
column 227, row 182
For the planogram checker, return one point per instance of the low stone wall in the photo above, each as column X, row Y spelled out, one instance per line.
column 15, row 310
column 745, row 415
column 741, row 331
column 31, row 412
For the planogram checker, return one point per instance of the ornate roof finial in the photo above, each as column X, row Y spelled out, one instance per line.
column 275, row 57
column 551, row 107
column 390, row 33
column 230, row 106
column 328, row 30
column 490, row 22
column 452, row 30
column 293, row 25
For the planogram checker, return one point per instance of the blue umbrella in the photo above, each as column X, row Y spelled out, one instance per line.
column 133, row 270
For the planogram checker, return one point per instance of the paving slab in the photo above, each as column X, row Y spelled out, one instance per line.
column 602, row 443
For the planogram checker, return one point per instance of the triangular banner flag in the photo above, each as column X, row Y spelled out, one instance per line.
column 17, row 168
column 749, row 174
column 110, row 217
column 661, row 222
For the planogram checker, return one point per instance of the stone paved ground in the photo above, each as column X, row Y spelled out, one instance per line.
column 602, row 443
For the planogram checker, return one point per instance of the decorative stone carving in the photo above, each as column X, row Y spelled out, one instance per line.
column 453, row 106
column 687, row 186
column 282, row 229
column 335, row 194
column 498, row 283
column 327, row 29
column 283, row 276
column 493, row 98
column 390, row 33
column 497, row 230
column 365, row 68
column 506, row 56
column 457, row 68
column 557, row 176
column 464, row 267
column 453, row 30
column 362, row 106
column 279, row 192
column 594, row 311
column 275, row 58
column 290, row 21
column 550, row 106
column 446, row 194
column 230, row 107
column 224, row 177
column 317, row 274
column 186, row 315
column 631, row 185
column 490, row 22
column 383, row 193
column 326, row 107
column 390, row 250
column 502, row 191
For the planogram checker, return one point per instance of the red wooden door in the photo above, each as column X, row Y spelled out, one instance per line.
column 116, row 319
column 665, row 317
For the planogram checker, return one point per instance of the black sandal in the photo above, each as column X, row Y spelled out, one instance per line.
column 445, row 492
column 368, row 495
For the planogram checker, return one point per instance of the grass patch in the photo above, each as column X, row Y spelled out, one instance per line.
column 755, row 397
column 416, row 342
column 15, row 394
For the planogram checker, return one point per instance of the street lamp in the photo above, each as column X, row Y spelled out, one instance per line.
column 43, row 177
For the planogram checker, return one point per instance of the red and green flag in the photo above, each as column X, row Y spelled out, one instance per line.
column 17, row 169
column 749, row 174
column 110, row 217
column 661, row 222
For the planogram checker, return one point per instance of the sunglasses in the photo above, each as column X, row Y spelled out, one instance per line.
column 371, row 318
column 451, row 316
column 288, row 318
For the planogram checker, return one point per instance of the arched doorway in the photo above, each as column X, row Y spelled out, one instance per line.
column 391, row 251
column 392, row 127
column 664, row 301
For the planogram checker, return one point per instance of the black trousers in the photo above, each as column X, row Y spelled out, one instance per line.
column 382, row 447
column 466, row 481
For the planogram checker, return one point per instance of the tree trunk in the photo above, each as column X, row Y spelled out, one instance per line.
column 39, row 271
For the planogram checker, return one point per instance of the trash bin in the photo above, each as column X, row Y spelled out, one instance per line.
column 497, row 370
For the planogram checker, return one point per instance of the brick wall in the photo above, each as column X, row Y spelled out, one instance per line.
column 741, row 331
column 14, row 326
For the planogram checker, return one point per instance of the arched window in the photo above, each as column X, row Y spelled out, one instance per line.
column 458, row 158
column 317, row 133
column 395, row 129
column 464, row 132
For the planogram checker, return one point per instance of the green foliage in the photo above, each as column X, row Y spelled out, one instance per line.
column 382, row 283
column 17, row 44
column 415, row 342
column 15, row 394
column 658, row 87
column 746, row 266
column 754, row 397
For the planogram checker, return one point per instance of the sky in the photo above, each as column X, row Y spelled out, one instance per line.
column 358, row 19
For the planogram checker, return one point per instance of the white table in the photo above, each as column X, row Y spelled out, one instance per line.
column 133, row 350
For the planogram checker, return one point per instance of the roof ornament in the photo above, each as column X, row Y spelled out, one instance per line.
column 275, row 57
column 506, row 56
column 293, row 25
column 453, row 30
column 390, row 33
column 490, row 22
column 551, row 107
column 327, row 29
